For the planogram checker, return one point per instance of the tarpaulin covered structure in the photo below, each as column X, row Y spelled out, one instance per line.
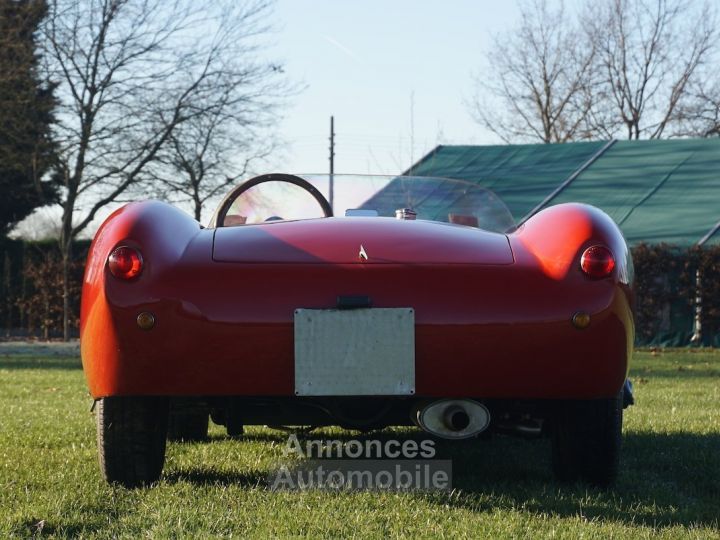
column 659, row 192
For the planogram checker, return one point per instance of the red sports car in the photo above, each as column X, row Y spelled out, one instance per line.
column 419, row 303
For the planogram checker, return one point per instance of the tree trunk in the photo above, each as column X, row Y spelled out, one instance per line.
column 23, row 311
column 46, row 321
column 66, row 239
column 7, row 285
column 197, row 201
column 66, row 262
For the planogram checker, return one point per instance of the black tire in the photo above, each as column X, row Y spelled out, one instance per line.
column 230, row 418
column 234, row 426
column 189, row 426
column 131, row 433
column 586, row 441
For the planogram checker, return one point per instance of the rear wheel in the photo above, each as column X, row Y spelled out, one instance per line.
column 234, row 425
column 586, row 441
column 131, row 433
column 188, row 425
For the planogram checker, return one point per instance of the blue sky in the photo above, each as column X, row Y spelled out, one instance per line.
column 366, row 62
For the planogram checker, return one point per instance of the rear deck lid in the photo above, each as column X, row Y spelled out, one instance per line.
column 366, row 240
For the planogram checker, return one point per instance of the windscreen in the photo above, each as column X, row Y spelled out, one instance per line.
column 424, row 198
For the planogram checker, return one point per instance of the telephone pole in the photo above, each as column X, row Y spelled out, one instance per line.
column 331, row 190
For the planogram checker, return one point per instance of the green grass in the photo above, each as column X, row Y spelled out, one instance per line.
column 669, row 486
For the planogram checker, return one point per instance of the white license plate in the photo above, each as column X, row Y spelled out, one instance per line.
column 355, row 352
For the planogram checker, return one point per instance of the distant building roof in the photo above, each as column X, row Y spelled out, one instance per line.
column 657, row 191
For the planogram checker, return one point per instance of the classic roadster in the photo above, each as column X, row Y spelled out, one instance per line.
column 421, row 303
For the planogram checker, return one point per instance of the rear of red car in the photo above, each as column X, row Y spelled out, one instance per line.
column 362, row 322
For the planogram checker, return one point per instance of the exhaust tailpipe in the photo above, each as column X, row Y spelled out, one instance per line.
column 454, row 418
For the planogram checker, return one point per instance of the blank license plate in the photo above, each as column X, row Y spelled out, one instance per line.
column 355, row 352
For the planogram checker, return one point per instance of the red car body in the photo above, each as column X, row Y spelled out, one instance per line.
column 495, row 314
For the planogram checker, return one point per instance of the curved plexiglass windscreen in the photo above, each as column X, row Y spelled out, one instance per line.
column 434, row 199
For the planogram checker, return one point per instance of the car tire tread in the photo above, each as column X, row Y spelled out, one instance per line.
column 586, row 441
column 131, row 434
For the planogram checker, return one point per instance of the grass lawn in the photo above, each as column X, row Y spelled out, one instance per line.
column 669, row 486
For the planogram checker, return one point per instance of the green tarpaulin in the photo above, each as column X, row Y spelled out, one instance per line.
column 521, row 175
column 657, row 191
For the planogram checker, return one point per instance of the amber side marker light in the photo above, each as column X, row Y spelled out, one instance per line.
column 597, row 262
column 146, row 320
column 581, row 320
column 125, row 262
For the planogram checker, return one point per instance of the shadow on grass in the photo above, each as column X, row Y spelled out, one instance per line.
column 205, row 476
column 30, row 362
column 665, row 479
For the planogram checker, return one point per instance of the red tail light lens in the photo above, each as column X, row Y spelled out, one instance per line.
column 597, row 261
column 125, row 262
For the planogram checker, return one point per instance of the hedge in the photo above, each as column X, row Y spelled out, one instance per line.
column 31, row 288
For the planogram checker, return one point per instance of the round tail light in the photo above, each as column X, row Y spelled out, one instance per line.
column 597, row 261
column 125, row 262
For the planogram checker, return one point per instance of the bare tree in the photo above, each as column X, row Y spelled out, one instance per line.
column 699, row 115
column 538, row 82
column 130, row 72
column 649, row 53
column 210, row 151
column 203, row 159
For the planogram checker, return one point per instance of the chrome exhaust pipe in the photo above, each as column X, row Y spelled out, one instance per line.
column 454, row 418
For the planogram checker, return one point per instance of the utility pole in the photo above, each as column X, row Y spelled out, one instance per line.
column 412, row 128
column 331, row 190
